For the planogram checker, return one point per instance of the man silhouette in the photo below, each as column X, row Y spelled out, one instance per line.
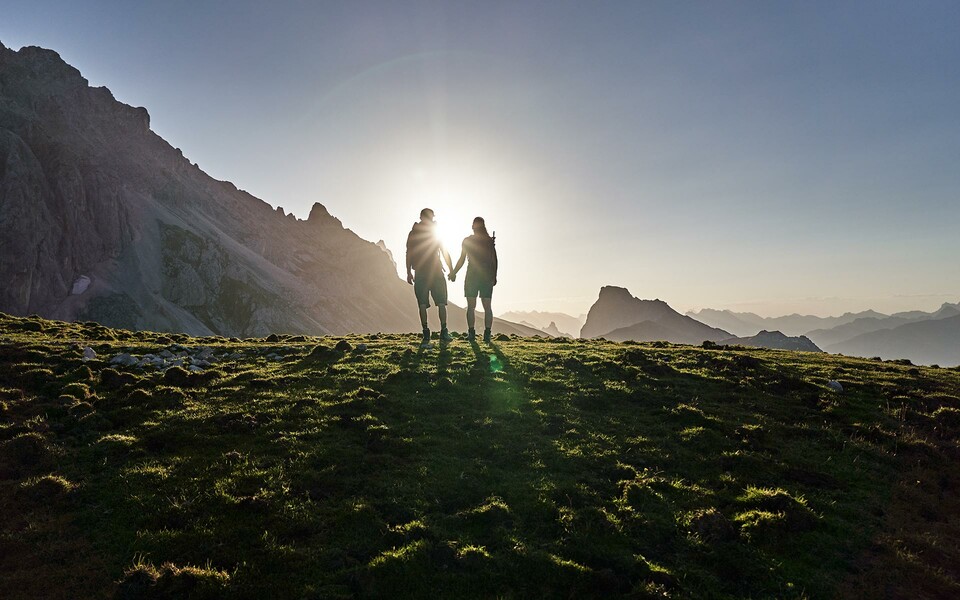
column 480, row 251
column 424, row 251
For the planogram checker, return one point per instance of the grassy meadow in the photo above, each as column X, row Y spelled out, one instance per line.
column 300, row 467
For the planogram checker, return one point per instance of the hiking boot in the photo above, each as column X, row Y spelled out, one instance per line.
column 471, row 335
column 425, row 344
column 486, row 335
column 445, row 335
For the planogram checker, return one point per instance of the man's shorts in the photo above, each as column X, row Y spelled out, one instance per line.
column 428, row 284
column 473, row 286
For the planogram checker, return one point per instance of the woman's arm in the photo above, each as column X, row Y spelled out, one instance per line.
column 463, row 257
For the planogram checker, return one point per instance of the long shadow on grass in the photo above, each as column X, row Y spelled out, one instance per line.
column 634, row 474
column 513, row 470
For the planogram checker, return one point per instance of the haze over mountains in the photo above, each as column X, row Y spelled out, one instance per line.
column 931, row 341
column 924, row 337
column 564, row 324
column 101, row 219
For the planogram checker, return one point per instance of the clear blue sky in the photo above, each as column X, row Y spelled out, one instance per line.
column 770, row 156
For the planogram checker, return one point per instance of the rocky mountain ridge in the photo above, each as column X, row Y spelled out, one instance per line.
column 103, row 220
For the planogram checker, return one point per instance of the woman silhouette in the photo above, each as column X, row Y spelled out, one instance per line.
column 480, row 251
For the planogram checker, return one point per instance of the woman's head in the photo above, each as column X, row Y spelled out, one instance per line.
column 479, row 226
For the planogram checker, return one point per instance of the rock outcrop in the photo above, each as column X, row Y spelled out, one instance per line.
column 618, row 316
column 775, row 340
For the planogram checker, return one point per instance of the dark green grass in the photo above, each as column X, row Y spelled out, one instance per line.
column 525, row 468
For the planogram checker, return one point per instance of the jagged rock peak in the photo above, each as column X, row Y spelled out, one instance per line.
column 319, row 215
column 613, row 292
column 383, row 246
column 48, row 66
column 318, row 212
column 38, row 74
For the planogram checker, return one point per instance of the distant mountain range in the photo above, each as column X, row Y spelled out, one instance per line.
column 931, row 341
column 564, row 324
column 748, row 324
column 868, row 333
column 103, row 220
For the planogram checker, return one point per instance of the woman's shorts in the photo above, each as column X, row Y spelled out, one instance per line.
column 474, row 286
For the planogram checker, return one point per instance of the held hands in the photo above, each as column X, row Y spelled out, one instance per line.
column 452, row 276
column 410, row 278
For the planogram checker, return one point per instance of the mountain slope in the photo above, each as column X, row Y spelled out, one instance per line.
column 320, row 468
column 934, row 341
column 101, row 219
column 619, row 316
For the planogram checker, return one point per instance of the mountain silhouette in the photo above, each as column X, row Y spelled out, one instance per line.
column 554, row 331
column 103, row 220
column 618, row 316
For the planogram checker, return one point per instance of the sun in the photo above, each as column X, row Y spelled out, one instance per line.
column 455, row 202
column 457, row 192
column 453, row 224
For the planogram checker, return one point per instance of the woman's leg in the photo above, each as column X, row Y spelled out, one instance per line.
column 471, row 312
column 487, row 313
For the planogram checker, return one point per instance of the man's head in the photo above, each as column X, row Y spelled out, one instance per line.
column 426, row 215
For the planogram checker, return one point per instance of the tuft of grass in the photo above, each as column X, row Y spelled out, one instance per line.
column 46, row 489
column 143, row 580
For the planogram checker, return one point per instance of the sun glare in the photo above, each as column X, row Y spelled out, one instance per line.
column 455, row 202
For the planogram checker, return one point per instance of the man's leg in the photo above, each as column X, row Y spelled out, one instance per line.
column 422, row 292
column 425, row 342
column 439, row 292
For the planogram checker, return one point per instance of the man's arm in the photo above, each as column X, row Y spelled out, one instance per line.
column 409, row 264
column 463, row 257
column 446, row 257
column 495, row 264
